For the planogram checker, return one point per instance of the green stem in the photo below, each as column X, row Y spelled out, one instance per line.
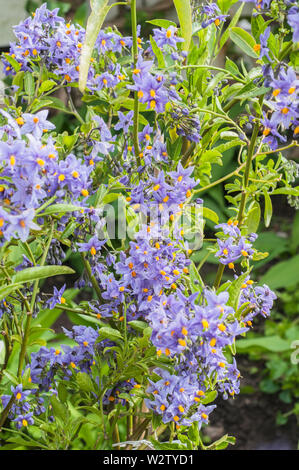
column 224, row 178
column 219, row 275
column 247, row 170
column 201, row 444
column 31, row 101
column 135, row 58
column 30, row 253
column 30, row 307
column 116, row 436
column 74, row 111
column 91, row 277
column 156, row 434
column 78, row 311
column 293, row 144
column 223, row 116
column 43, row 206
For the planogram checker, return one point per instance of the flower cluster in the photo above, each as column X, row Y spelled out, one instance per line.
column 283, row 111
column 256, row 300
column 232, row 245
column 150, row 88
column 194, row 332
column 48, row 363
column 24, row 408
column 46, row 367
column 211, row 13
column 45, row 36
column 285, row 106
column 177, row 398
column 166, row 37
column 33, row 173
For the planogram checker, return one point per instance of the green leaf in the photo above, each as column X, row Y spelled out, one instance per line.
column 257, row 22
column 47, row 317
column 84, row 382
column 281, row 419
column 270, row 343
column 250, row 91
column 56, row 103
column 60, row 209
column 212, row 156
column 60, row 411
column 138, row 325
column 26, row 442
column 231, row 66
column 193, row 434
column 167, row 445
column 110, row 333
column 211, row 215
column 222, row 443
column 183, row 9
column 18, row 80
column 50, row 102
column 110, row 198
column 268, row 386
column 211, row 396
column 62, row 392
column 40, row 272
column 158, row 53
column 6, row 290
column 47, row 85
column 257, row 256
column 293, row 191
column 283, row 274
column 29, row 84
column 225, row 5
column 99, row 10
column 234, row 290
column 162, row 23
column 195, row 278
column 268, row 209
column 233, row 22
column 12, row 377
column 253, row 218
column 25, row 377
column 228, row 145
column 244, row 41
column 40, row 103
column 286, row 396
column 16, row 66
column 156, row 421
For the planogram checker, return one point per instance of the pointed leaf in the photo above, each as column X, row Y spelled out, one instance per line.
column 99, row 10
column 40, row 272
column 183, row 9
